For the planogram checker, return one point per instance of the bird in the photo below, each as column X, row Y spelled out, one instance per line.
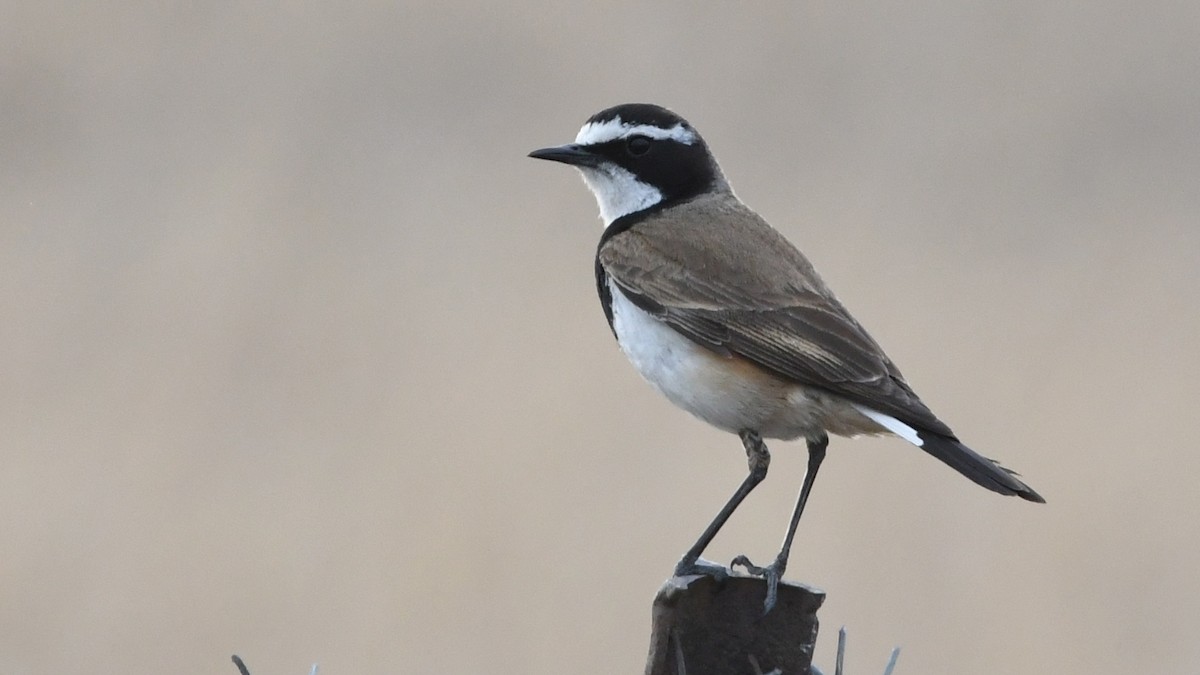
column 731, row 322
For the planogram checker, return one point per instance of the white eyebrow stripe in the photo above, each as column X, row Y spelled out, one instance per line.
column 594, row 133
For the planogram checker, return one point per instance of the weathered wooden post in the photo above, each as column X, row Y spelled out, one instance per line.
column 702, row 626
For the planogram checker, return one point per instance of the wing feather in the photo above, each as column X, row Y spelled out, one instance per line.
column 700, row 268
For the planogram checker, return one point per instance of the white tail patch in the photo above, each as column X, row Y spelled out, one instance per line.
column 892, row 424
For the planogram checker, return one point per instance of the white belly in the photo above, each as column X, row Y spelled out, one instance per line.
column 729, row 393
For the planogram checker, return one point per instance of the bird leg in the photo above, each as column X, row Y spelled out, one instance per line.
column 758, row 459
column 774, row 572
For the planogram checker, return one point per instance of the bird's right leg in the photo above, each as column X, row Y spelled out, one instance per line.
column 758, row 459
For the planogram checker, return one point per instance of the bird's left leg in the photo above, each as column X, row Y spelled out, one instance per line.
column 774, row 572
column 758, row 459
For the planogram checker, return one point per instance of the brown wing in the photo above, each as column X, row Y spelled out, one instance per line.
column 701, row 269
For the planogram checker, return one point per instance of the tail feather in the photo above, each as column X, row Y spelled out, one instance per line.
column 984, row 471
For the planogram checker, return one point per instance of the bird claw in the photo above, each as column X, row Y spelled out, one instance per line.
column 701, row 567
column 771, row 574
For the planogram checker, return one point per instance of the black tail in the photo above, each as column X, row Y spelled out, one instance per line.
column 984, row 471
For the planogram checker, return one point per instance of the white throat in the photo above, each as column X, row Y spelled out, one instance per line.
column 618, row 192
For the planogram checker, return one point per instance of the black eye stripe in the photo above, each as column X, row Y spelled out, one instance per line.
column 617, row 147
column 678, row 170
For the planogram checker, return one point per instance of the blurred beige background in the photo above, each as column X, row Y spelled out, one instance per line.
column 301, row 357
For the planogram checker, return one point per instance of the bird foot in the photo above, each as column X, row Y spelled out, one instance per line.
column 771, row 574
column 701, row 567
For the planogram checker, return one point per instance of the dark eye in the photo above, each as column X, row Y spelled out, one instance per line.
column 638, row 145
